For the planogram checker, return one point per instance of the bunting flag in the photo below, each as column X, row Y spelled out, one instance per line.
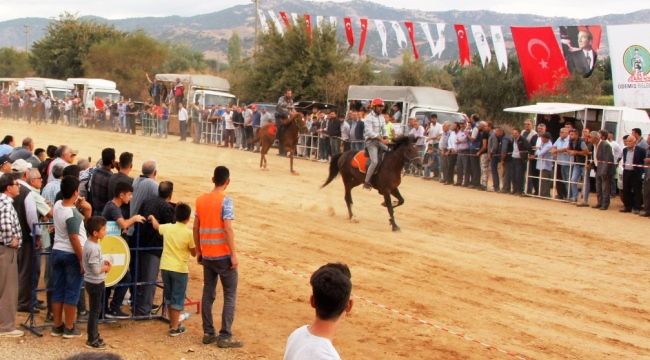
column 294, row 18
column 319, row 23
column 580, row 46
column 427, row 34
column 333, row 21
column 308, row 27
column 542, row 64
column 285, row 19
column 482, row 44
column 399, row 33
column 276, row 22
column 463, row 45
column 440, row 44
column 499, row 47
column 364, row 32
column 348, row 31
column 411, row 31
column 381, row 29
column 264, row 23
column 629, row 50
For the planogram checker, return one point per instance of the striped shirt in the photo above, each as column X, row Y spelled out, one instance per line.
column 9, row 223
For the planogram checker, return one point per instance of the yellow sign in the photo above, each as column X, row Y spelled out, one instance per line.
column 116, row 251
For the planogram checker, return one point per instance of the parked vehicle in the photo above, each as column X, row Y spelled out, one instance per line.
column 55, row 89
column 89, row 89
column 208, row 90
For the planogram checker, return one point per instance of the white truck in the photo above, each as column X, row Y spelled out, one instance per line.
column 55, row 89
column 414, row 101
column 208, row 90
column 90, row 88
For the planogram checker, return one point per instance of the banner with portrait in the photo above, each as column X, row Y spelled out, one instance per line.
column 580, row 46
column 629, row 49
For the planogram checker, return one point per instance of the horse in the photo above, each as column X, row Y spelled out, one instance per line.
column 386, row 180
column 289, row 138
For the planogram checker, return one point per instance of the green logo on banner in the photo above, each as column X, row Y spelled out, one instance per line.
column 636, row 60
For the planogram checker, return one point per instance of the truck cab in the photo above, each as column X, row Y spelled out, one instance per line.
column 90, row 88
column 55, row 89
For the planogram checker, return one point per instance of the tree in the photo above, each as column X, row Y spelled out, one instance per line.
column 234, row 49
column 410, row 72
column 14, row 63
column 126, row 60
column 180, row 58
column 61, row 52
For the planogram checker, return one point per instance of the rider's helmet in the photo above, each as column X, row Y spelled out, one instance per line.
column 377, row 102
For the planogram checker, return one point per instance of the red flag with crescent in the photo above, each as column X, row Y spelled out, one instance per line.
column 463, row 45
column 348, row 31
column 362, row 37
column 308, row 27
column 285, row 19
column 411, row 31
column 540, row 57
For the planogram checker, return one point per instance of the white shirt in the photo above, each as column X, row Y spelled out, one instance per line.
column 617, row 150
column 61, row 237
column 227, row 117
column 303, row 345
column 451, row 143
column 182, row 114
column 434, row 133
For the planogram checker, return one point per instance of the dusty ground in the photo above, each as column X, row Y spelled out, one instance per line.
column 534, row 278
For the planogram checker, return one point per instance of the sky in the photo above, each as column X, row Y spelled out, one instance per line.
column 117, row 9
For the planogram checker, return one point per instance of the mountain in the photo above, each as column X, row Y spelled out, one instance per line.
column 209, row 33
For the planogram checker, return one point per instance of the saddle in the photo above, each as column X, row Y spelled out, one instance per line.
column 361, row 159
column 272, row 129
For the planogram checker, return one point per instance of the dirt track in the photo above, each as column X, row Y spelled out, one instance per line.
column 536, row 278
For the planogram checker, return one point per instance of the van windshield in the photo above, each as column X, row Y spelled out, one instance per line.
column 212, row 99
column 106, row 95
column 59, row 94
column 424, row 117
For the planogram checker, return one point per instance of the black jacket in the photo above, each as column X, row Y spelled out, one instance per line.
column 638, row 159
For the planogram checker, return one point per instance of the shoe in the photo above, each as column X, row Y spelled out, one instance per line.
column 96, row 345
column 83, row 314
column 635, row 211
column 644, row 214
column 229, row 342
column 209, row 339
column 184, row 316
column 625, row 210
column 49, row 317
column 596, row 206
column 367, row 186
column 57, row 331
column 582, row 205
column 155, row 308
column 12, row 334
column 603, row 208
column 118, row 314
column 71, row 333
column 177, row 331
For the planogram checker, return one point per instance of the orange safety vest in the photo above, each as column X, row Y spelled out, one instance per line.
column 212, row 236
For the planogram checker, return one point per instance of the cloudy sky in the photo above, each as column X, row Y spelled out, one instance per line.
column 115, row 9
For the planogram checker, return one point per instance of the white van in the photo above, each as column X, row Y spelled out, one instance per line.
column 208, row 90
column 415, row 101
column 91, row 88
column 56, row 89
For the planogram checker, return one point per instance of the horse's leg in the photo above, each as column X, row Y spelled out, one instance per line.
column 293, row 172
column 398, row 196
column 389, row 206
column 348, row 200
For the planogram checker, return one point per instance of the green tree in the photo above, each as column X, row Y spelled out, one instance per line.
column 14, row 63
column 180, row 58
column 125, row 60
column 234, row 49
column 61, row 52
column 410, row 72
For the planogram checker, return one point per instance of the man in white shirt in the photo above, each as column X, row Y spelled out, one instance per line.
column 182, row 120
column 331, row 289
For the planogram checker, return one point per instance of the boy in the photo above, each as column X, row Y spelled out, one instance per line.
column 178, row 245
column 95, row 273
column 112, row 212
column 331, row 288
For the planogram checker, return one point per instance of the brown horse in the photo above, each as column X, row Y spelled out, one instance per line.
column 291, row 128
column 386, row 180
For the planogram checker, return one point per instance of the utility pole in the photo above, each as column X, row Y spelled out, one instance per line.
column 257, row 23
column 27, row 28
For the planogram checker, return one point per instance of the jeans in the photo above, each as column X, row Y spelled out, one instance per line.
column 95, row 294
column 148, row 268
column 576, row 174
column 562, row 183
column 335, row 145
column 436, row 161
column 238, row 136
column 323, row 148
column 162, row 128
column 463, row 167
column 213, row 270
column 123, row 123
column 183, row 129
column 444, row 167
column 373, row 147
column 119, row 292
column 66, row 277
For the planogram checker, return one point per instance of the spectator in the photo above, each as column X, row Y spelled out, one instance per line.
column 533, row 173
column 247, row 135
column 334, row 133
column 444, row 152
column 560, row 150
column 356, row 131
column 646, row 183
column 520, row 149
column 179, row 92
column 45, row 164
column 177, row 248
column 238, row 122
column 64, row 156
column 162, row 209
column 25, row 152
column 66, row 257
column 323, row 140
column 40, row 154
column 144, row 188
column 604, row 162
column 495, row 146
column 578, row 151
column 11, row 238
column 638, row 136
column 345, row 134
column 331, row 288
column 99, row 181
column 215, row 250
column 417, row 132
column 506, row 162
column 182, row 120
column 7, row 145
column 95, row 269
column 125, row 165
column 485, row 129
column 544, row 165
column 633, row 158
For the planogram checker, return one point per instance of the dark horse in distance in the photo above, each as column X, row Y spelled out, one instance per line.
column 386, row 180
column 266, row 135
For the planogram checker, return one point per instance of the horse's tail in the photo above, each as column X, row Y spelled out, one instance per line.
column 334, row 169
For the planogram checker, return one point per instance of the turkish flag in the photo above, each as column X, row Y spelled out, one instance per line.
column 348, row 31
column 308, row 27
column 540, row 57
column 364, row 31
column 463, row 45
column 411, row 31
column 285, row 19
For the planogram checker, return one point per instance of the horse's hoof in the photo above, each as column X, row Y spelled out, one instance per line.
column 354, row 220
column 295, row 173
column 396, row 228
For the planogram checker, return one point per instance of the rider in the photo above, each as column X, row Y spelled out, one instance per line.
column 375, row 135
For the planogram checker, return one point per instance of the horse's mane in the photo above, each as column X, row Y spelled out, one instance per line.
column 402, row 140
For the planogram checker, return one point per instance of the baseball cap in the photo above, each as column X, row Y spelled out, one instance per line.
column 20, row 165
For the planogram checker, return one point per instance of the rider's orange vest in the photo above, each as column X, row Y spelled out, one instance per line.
column 212, row 236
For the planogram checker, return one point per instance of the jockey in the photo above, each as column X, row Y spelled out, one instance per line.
column 375, row 135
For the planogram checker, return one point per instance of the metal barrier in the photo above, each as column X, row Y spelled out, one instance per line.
column 212, row 132
column 150, row 125
column 551, row 182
